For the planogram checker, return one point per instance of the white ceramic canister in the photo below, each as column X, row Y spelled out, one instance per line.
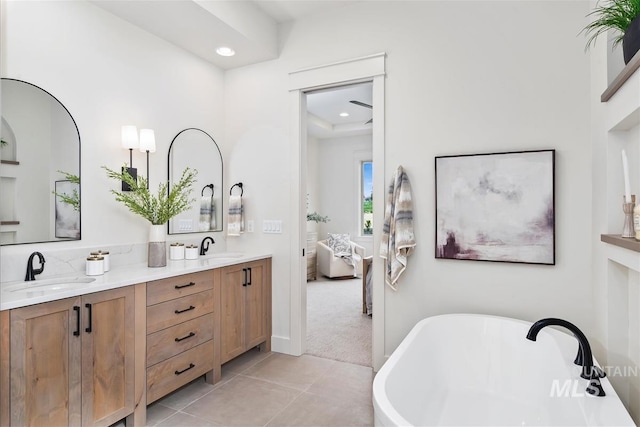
column 105, row 255
column 94, row 266
column 176, row 251
column 191, row 252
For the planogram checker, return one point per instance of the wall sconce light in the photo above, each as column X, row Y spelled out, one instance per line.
column 148, row 145
column 130, row 141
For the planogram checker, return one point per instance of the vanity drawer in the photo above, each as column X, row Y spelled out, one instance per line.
column 168, row 342
column 170, row 313
column 175, row 287
column 173, row 373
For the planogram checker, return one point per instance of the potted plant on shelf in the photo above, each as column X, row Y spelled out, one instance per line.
column 157, row 209
column 621, row 16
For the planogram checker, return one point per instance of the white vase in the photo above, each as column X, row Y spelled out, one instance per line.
column 157, row 253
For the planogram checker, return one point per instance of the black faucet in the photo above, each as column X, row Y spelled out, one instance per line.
column 31, row 272
column 584, row 357
column 203, row 248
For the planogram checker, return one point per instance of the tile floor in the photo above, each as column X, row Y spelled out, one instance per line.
column 272, row 389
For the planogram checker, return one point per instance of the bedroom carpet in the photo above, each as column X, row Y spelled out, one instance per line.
column 336, row 327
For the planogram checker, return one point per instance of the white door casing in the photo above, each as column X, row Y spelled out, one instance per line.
column 368, row 68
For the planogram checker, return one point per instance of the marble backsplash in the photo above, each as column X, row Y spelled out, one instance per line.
column 60, row 262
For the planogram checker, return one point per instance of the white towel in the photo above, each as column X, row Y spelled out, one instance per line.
column 205, row 214
column 398, row 240
column 214, row 215
column 236, row 216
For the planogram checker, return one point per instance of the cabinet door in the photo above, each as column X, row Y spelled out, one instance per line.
column 108, row 356
column 232, row 314
column 256, row 304
column 45, row 364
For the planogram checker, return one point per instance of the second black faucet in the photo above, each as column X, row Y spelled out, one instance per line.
column 204, row 248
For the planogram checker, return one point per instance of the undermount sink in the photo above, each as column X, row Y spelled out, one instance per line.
column 58, row 284
column 225, row 255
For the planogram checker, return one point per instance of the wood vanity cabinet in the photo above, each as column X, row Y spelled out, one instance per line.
column 245, row 308
column 181, row 323
column 72, row 360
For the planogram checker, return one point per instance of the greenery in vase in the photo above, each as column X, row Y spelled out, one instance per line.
column 3, row 143
column 614, row 15
column 316, row 217
column 157, row 209
column 74, row 198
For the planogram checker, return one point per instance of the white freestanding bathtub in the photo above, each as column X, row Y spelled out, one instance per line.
column 466, row 369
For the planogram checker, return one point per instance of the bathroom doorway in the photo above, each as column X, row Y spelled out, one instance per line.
column 359, row 70
column 339, row 200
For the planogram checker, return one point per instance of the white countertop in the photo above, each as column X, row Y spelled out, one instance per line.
column 121, row 276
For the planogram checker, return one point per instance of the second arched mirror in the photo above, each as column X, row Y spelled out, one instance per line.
column 196, row 149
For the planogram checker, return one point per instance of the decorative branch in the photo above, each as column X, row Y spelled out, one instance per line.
column 157, row 209
column 74, row 198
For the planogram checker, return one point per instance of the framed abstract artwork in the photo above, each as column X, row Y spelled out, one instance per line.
column 496, row 207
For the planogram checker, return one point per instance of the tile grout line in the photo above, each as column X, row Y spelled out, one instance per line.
column 284, row 409
column 166, row 418
column 274, row 383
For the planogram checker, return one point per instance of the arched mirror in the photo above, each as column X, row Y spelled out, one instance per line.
column 39, row 167
column 196, row 149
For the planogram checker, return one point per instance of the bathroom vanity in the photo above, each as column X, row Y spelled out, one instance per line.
column 95, row 354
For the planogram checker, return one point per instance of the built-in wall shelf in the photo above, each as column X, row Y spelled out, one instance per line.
column 9, row 162
column 9, row 222
column 624, row 242
column 624, row 75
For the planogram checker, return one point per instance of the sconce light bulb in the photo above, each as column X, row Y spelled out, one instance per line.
column 147, row 140
column 130, row 137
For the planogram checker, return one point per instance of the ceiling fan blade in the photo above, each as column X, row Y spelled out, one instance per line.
column 368, row 121
column 362, row 104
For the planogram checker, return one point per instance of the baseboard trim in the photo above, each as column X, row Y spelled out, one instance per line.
column 282, row 345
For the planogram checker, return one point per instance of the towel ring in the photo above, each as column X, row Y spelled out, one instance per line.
column 237, row 185
column 205, row 187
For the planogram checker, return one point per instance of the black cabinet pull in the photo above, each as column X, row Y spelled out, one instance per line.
column 244, row 281
column 249, row 283
column 191, row 365
column 76, row 308
column 191, row 334
column 88, row 328
column 186, row 309
column 185, row 286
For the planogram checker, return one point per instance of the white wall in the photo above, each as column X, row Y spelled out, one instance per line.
column 503, row 76
column 338, row 182
column 109, row 73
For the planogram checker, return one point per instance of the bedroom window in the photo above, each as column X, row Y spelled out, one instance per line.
column 366, row 198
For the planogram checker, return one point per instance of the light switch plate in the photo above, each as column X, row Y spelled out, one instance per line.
column 271, row 226
column 185, row 225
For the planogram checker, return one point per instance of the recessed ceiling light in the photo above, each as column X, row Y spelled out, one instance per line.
column 225, row 51
column 345, row 114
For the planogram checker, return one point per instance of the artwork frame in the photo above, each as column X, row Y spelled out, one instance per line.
column 67, row 219
column 497, row 207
